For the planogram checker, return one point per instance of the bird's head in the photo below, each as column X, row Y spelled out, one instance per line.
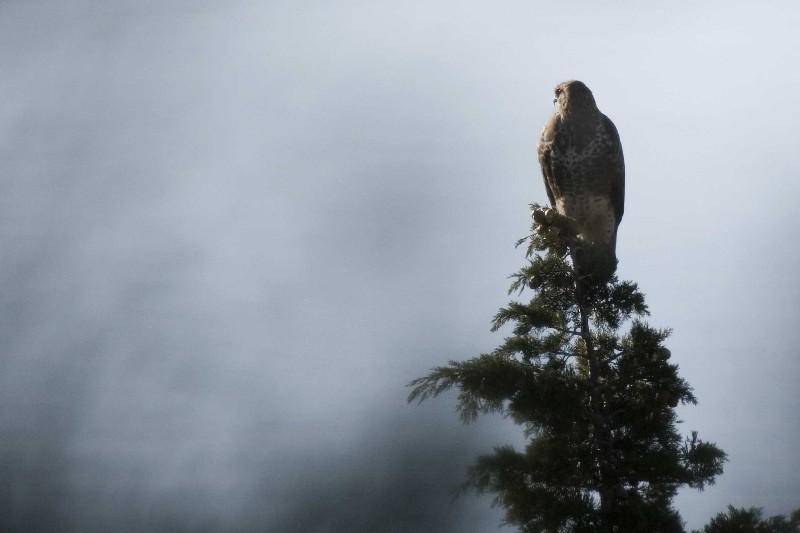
column 573, row 97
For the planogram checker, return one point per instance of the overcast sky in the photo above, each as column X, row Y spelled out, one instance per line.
column 231, row 232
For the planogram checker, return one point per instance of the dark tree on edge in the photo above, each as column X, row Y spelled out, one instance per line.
column 750, row 520
column 593, row 388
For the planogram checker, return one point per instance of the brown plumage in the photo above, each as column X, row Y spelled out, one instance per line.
column 584, row 171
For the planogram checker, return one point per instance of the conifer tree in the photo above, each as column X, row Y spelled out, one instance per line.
column 750, row 520
column 592, row 387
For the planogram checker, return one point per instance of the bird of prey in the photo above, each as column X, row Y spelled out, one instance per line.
column 584, row 172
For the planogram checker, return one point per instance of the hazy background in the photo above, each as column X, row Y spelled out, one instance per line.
column 230, row 232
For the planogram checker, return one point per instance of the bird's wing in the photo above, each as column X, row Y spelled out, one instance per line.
column 545, row 158
column 616, row 173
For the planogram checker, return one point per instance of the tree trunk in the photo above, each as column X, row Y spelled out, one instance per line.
column 607, row 480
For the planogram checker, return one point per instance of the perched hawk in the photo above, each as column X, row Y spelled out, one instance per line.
column 584, row 172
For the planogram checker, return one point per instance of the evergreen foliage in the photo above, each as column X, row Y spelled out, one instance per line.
column 592, row 386
column 749, row 521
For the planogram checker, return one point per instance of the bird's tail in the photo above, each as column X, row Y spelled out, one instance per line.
column 594, row 264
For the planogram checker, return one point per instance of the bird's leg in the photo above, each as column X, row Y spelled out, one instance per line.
column 551, row 221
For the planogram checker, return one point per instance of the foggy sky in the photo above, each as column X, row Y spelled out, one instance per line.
column 231, row 233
